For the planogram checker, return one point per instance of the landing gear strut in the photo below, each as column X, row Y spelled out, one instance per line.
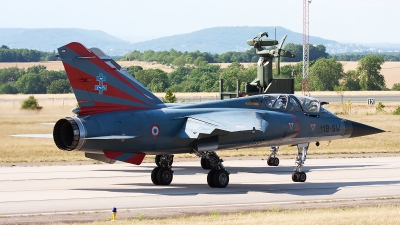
column 164, row 158
column 298, row 175
column 163, row 174
column 209, row 160
column 272, row 159
column 218, row 176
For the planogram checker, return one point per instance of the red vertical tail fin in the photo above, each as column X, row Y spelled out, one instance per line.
column 100, row 84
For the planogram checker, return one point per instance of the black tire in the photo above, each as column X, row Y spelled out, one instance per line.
column 275, row 162
column 269, row 161
column 301, row 177
column 221, row 178
column 294, row 177
column 164, row 176
column 157, row 160
column 210, row 178
column 154, row 176
column 203, row 162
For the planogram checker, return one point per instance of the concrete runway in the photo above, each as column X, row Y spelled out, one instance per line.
column 66, row 190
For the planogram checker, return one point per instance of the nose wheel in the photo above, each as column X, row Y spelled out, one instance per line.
column 272, row 159
column 298, row 175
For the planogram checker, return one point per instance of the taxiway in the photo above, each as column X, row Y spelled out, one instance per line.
column 74, row 189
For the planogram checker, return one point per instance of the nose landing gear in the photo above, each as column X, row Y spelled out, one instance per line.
column 298, row 175
column 272, row 159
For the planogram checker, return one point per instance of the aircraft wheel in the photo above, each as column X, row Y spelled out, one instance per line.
column 301, row 177
column 269, row 161
column 275, row 162
column 294, row 177
column 154, row 176
column 164, row 176
column 210, row 178
column 221, row 179
column 157, row 160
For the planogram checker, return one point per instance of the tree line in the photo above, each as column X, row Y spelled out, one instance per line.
column 24, row 55
column 388, row 56
column 34, row 80
column 197, row 58
column 326, row 74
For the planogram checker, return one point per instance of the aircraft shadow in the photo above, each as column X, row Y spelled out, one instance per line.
column 190, row 170
column 302, row 189
column 299, row 189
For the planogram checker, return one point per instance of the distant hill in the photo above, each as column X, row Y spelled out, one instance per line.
column 222, row 39
column 49, row 39
column 214, row 40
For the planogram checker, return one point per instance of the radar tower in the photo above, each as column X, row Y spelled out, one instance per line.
column 305, row 84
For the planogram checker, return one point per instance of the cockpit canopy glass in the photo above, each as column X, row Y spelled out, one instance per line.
column 297, row 103
column 309, row 105
column 293, row 103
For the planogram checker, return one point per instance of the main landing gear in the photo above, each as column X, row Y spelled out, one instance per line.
column 298, row 175
column 218, row 176
column 163, row 174
column 272, row 159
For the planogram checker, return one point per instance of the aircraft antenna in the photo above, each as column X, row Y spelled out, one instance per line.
column 305, row 84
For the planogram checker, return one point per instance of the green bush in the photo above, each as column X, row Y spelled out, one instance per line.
column 396, row 87
column 380, row 108
column 31, row 104
column 397, row 111
column 169, row 97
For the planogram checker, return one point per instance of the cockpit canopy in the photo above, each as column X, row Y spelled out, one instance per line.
column 296, row 103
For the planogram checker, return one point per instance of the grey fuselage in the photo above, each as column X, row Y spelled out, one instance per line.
column 158, row 131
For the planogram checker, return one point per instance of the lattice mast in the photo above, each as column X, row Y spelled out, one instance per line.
column 305, row 85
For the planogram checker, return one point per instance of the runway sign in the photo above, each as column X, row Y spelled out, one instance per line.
column 371, row 101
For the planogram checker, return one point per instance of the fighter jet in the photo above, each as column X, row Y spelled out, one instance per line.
column 117, row 118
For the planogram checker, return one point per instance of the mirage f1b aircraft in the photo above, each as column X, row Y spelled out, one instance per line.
column 119, row 119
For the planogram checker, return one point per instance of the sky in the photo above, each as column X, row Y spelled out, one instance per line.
column 346, row 21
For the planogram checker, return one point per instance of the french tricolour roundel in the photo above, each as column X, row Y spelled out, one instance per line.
column 155, row 130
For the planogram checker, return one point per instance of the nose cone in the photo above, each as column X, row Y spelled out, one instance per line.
column 360, row 129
